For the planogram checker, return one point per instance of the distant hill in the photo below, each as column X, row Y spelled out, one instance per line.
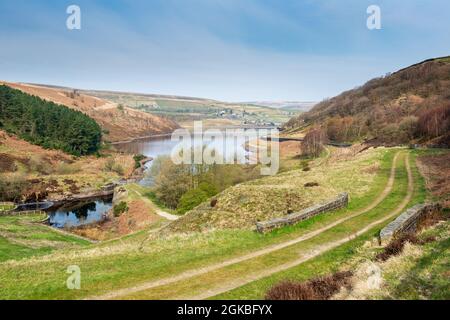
column 118, row 122
column 298, row 106
column 410, row 105
column 185, row 110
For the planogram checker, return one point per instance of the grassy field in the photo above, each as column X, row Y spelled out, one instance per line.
column 136, row 258
column 23, row 237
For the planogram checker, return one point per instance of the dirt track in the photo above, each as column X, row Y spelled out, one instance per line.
column 313, row 253
column 231, row 285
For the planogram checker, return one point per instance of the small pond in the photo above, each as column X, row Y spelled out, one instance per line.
column 79, row 213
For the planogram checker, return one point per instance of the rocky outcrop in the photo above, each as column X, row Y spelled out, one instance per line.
column 266, row 226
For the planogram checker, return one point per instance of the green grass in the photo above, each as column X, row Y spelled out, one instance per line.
column 429, row 278
column 266, row 198
column 23, row 237
column 119, row 264
column 198, row 284
column 158, row 203
column 6, row 207
column 162, row 257
column 332, row 261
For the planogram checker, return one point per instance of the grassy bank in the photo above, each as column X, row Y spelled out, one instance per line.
column 333, row 260
column 23, row 237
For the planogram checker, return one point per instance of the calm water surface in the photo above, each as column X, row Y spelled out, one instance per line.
column 79, row 213
column 163, row 146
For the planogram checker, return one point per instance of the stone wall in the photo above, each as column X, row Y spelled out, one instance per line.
column 266, row 226
column 407, row 221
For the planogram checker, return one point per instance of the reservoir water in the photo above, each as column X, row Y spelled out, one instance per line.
column 163, row 146
column 79, row 213
column 90, row 211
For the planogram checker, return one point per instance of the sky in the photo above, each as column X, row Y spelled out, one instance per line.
column 230, row 50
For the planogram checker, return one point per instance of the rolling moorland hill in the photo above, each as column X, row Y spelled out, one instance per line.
column 213, row 113
column 118, row 122
column 299, row 106
column 410, row 105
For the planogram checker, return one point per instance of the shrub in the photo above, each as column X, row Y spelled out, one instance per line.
column 109, row 164
column 120, row 208
column 117, row 168
column 311, row 184
column 208, row 188
column 395, row 247
column 112, row 166
column 39, row 164
column 191, row 199
column 320, row 288
column 137, row 160
column 12, row 186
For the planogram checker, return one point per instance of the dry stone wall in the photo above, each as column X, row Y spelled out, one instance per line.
column 407, row 221
column 266, row 226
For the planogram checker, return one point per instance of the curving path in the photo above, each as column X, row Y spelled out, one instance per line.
column 158, row 211
column 231, row 285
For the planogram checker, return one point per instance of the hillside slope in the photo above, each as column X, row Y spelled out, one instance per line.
column 411, row 105
column 29, row 172
column 118, row 122
column 48, row 124
column 184, row 110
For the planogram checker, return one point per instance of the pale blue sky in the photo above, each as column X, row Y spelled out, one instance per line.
column 233, row 50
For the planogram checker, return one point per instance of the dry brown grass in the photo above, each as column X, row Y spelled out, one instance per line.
column 320, row 288
column 51, row 173
column 122, row 125
column 395, row 247
column 436, row 170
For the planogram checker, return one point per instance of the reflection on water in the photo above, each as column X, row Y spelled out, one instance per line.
column 149, row 147
column 162, row 146
column 80, row 213
column 33, row 206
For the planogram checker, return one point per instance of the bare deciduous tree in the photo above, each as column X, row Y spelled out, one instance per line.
column 313, row 142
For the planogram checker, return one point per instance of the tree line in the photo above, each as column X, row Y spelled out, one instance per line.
column 48, row 124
